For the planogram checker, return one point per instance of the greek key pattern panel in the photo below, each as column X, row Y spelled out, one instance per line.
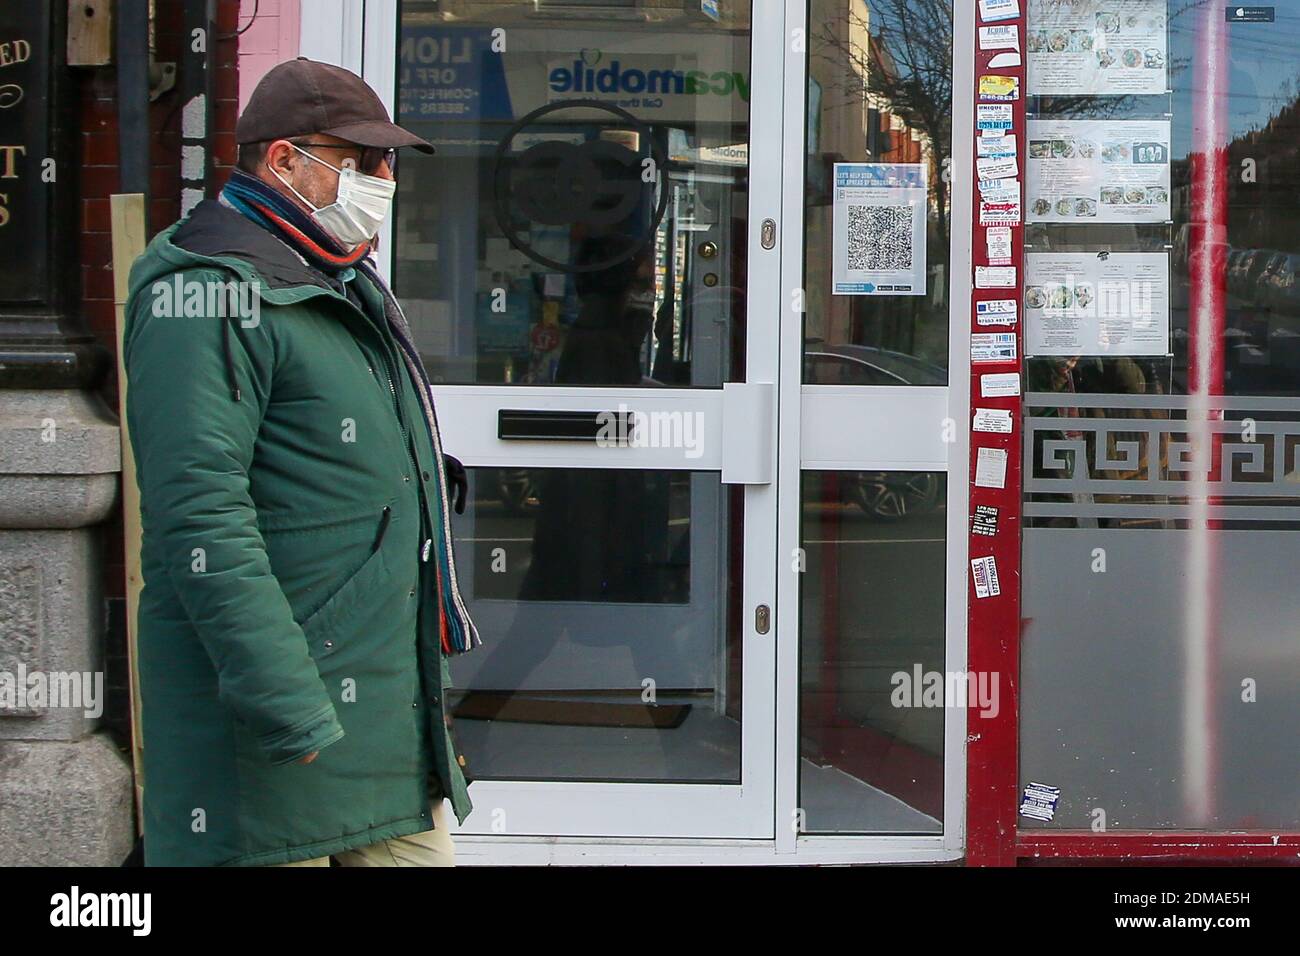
column 1161, row 457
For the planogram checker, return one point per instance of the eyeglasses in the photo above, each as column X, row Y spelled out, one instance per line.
column 371, row 156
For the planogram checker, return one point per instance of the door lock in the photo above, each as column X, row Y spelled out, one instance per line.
column 763, row 619
column 767, row 233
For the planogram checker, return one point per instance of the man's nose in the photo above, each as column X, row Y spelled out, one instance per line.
column 384, row 172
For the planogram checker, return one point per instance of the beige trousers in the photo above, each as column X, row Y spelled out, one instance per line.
column 426, row 848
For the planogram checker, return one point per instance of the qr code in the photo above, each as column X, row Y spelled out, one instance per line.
column 880, row 238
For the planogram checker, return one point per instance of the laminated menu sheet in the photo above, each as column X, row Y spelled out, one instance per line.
column 1089, row 47
column 1084, row 304
column 1097, row 171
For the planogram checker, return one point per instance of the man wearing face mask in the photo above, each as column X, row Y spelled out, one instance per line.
column 300, row 598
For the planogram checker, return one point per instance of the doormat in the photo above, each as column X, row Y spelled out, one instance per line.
column 492, row 705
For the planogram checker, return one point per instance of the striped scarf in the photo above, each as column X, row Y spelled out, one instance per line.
column 279, row 214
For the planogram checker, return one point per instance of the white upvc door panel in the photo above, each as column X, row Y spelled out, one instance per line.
column 726, row 430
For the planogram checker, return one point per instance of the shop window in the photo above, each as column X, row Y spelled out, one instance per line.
column 1160, row 672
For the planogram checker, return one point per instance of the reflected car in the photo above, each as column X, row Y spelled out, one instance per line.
column 825, row 364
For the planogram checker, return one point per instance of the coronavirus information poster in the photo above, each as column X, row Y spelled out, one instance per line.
column 879, row 224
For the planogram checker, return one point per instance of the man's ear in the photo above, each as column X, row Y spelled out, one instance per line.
column 281, row 157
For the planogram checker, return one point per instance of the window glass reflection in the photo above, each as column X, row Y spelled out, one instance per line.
column 877, row 207
column 871, row 643
column 584, row 219
column 612, row 597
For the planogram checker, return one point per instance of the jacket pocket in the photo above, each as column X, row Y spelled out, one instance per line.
column 312, row 562
column 321, row 627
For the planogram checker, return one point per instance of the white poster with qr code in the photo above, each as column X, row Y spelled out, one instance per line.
column 880, row 213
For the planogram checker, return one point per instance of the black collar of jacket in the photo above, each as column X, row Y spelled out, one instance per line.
column 216, row 230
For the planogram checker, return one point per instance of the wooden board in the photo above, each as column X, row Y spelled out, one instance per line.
column 127, row 218
column 90, row 32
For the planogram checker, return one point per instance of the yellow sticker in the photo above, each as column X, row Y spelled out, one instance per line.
column 995, row 87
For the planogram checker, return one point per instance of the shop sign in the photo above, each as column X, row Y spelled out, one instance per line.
column 27, row 181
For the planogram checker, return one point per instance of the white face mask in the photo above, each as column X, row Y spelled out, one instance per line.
column 360, row 208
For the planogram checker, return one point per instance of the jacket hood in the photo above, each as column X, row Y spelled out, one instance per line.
column 214, row 235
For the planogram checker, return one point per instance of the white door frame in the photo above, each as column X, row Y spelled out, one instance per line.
column 896, row 421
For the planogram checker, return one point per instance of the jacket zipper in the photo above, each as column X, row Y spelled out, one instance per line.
column 402, row 426
column 401, row 420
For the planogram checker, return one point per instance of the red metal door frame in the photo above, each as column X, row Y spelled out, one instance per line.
column 993, row 623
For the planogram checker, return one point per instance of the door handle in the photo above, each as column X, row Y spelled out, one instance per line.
column 748, row 422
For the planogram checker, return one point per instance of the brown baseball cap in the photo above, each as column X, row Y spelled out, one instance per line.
column 300, row 97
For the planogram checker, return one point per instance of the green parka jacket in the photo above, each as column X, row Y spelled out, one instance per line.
column 289, row 488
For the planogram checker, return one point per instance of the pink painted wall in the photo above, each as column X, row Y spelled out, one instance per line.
column 272, row 38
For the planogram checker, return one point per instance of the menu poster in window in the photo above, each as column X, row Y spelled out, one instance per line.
column 879, row 229
column 1098, row 171
column 1080, row 304
column 1097, row 46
